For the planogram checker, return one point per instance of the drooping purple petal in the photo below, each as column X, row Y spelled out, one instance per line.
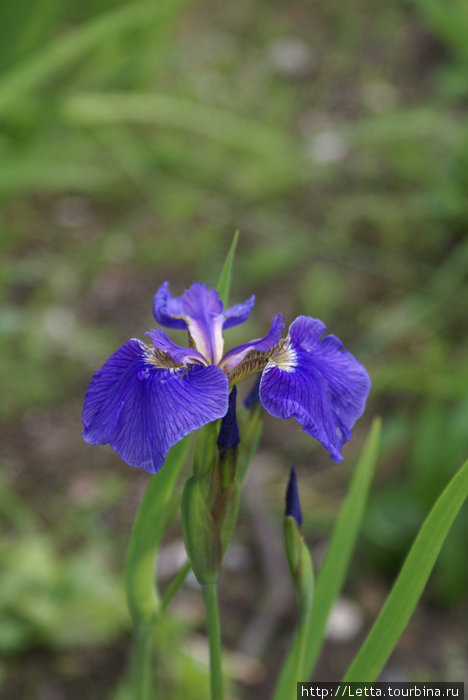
column 142, row 410
column 232, row 358
column 348, row 379
column 168, row 310
column 307, row 331
column 239, row 313
column 318, row 383
column 177, row 352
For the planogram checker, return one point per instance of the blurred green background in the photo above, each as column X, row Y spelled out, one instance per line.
column 134, row 139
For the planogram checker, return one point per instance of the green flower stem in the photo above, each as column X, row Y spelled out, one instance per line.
column 141, row 663
column 210, row 596
column 299, row 653
column 174, row 586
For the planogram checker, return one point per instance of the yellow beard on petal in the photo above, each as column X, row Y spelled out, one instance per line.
column 283, row 356
column 161, row 359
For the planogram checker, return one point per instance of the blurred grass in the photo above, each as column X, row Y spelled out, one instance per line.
column 134, row 139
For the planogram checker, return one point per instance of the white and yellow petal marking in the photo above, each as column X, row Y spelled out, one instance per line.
column 283, row 356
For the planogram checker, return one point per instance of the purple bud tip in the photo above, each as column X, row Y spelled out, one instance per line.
column 253, row 397
column 293, row 506
column 229, row 437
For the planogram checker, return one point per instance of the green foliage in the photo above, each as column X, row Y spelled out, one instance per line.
column 54, row 601
column 396, row 509
column 225, row 278
column 135, row 138
column 148, row 530
column 410, row 583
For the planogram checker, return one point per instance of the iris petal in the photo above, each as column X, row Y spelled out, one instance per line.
column 233, row 358
column 204, row 311
column 141, row 410
column 177, row 352
column 168, row 310
column 239, row 313
column 199, row 301
column 324, row 388
column 201, row 311
column 348, row 380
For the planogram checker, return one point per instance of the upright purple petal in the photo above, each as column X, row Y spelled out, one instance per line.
column 200, row 301
column 141, row 410
column 239, row 313
column 201, row 311
column 318, row 383
column 232, row 358
column 168, row 310
column 204, row 312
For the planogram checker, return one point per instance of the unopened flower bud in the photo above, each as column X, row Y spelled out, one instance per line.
column 252, row 400
column 201, row 533
column 297, row 553
column 293, row 506
column 229, row 437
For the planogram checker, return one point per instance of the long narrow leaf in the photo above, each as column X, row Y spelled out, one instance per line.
column 335, row 566
column 224, row 282
column 147, row 532
column 410, row 583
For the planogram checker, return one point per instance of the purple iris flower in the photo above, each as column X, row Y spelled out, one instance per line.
column 145, row 398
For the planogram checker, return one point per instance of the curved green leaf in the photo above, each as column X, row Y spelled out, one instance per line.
column 410, row 583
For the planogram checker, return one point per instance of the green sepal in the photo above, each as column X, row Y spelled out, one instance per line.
column 300, row 564
column 225, row 511
column 292, row 544
column 201, row 536
column 205, row 449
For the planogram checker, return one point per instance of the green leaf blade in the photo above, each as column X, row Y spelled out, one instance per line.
column 410, row 583
column 333, row 572
column 148, row 528
column 335, row 567
column 224, row 282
